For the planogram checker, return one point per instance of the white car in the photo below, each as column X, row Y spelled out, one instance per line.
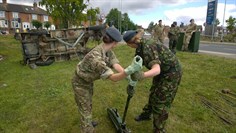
column 147, row 35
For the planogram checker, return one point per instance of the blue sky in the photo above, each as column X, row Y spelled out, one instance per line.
column 142, row 12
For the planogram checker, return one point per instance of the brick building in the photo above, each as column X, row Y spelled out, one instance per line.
column 13, row 16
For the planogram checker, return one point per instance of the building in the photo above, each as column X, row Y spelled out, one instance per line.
column 13, row 16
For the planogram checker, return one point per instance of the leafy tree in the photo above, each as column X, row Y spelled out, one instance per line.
column 67, row 12
column 231, row 24
column 92, row 15
column 47, row 24
column 114, row 17
column 126, row 23
column 181, row 25
column 150, row 26
column 36, row 24
column 217, row 22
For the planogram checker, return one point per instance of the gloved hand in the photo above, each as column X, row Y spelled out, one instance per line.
column 139, row 75
column 131, row 82
column 136, row 65
column 130, row 90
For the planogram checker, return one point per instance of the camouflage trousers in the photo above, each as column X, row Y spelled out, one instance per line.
column 83, row 92
column 172, row 45
column 159, row 39
column 162, row 94
column 187, row 38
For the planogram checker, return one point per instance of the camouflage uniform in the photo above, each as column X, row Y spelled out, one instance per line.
column 165, row 85
column 173, row 38
column 188, row 35
column 95, row 65
column 158, row 33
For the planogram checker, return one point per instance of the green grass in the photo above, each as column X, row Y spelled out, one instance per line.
column 41, row 100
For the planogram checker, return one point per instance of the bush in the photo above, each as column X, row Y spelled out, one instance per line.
column 36, row 24
column 230, row 38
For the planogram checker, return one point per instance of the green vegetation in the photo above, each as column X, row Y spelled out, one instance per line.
column 41, row 100
column 231, row 24
column 69, row 12
column 122, row 21
column 47, row 24
column 36, row 24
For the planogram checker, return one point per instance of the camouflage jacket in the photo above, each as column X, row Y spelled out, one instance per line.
column 96, row 64
column 191, row 28
column 158, row 30
column 153, row 53
column 174, row 33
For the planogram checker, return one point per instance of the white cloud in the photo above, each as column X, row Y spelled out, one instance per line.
column 230, row 11
column 135, row 6
column 24, row 2
column 199, row 14
column 185, row 14
column 142, row 8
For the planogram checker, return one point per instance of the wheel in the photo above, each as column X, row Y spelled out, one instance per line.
column 48, row 62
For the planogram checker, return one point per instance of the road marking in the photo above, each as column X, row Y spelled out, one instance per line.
column 220, row 53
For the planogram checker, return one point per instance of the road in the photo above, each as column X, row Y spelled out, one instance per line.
column 228, row 51
column 219, row 49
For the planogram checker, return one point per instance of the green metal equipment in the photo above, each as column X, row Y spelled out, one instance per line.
column 113, row 114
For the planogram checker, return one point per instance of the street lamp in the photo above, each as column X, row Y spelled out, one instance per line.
column 222, row 34
column 213, row 30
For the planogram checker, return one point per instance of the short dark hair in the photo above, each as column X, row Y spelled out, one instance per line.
column 107, row 39
column 160, row 20
column 191, row 20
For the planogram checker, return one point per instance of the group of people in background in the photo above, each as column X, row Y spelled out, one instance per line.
column 174, row 33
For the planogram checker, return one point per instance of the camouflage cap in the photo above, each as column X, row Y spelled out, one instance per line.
column 129, row 35
column 114, row 34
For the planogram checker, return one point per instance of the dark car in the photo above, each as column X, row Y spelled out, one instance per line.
column 3, row 32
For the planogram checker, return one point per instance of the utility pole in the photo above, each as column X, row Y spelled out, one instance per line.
column 222, row 34
column 120, row 17
column 213, row 30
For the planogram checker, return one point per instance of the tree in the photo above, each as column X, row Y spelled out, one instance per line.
column 36, row 24
column 126, row 23
column 67, row 12
column 150, row 26
column 115, row 18
column 231, row 24
column 92, row 15
column 47, row 24
column 112, row 17
column 217, row 22
column 181, row 25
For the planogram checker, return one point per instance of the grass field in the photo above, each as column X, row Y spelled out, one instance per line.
column 41, row 100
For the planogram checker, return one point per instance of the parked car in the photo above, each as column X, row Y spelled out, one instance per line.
column 147, row 35
column 3, row 32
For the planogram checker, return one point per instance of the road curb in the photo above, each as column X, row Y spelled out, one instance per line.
column 226, row 55
column 216, row 43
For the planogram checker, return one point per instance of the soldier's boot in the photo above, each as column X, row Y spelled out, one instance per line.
column 143, row 116
column 94, row 123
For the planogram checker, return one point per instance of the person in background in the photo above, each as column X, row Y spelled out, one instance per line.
column 165, row 70
column 173, row 37
column 192, row 27
column 98, row 64
column 159, row 32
